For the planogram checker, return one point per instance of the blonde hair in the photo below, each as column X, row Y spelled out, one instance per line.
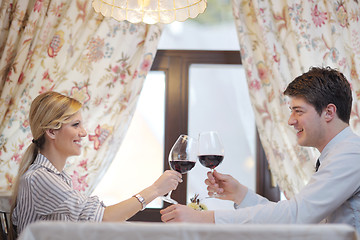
column 49, row 110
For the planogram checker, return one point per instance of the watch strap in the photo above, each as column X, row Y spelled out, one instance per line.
column 141, row 200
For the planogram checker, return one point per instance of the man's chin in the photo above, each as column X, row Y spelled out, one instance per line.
column 301, row 142
column 304, row 144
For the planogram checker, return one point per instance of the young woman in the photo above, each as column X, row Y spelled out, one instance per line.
column 43, row 191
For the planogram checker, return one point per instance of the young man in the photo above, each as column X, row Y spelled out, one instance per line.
column 320, row 103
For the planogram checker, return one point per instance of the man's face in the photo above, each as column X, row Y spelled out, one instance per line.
column 309, row 125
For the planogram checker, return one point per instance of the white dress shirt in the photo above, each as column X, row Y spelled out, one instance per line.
column 332, row 194
column 47, row 194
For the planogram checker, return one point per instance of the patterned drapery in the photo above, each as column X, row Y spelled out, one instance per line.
column 63, row 45
column 279, row 40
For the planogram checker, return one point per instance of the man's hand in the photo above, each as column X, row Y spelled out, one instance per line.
column 225, row 186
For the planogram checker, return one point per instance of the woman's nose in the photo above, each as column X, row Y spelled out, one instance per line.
column 83, row 132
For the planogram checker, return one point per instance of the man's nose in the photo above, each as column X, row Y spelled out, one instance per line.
column 291, row 120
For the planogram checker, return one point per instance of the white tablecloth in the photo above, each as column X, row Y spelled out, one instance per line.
column 174, row 231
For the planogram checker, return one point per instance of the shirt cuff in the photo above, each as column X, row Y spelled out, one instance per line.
column 248, row 200
column 251, row 199
column 100, row 212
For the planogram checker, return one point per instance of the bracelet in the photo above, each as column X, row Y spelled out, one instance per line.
column 141, row 200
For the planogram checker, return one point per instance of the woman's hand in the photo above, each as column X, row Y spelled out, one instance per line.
column 122, row 211
column 168, row 181
column 182, row 213
column 226, row 187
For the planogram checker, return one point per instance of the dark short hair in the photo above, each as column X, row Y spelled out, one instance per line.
column 322, row 86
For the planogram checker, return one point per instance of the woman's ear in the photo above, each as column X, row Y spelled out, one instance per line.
column 50, row 133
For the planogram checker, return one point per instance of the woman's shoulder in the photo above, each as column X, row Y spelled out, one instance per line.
column 35, row 173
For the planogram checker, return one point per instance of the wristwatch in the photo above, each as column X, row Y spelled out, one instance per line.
column 141, row 200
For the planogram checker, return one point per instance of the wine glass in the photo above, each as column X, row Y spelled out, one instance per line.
column 182, row 158
column 211, row 150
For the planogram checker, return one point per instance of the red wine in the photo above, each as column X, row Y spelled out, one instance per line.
column 210, row 161
column 182, row 166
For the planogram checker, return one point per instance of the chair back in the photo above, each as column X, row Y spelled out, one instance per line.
column 4, row 222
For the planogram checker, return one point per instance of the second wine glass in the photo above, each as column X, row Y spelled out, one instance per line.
column 211, row 151
column 182, row 158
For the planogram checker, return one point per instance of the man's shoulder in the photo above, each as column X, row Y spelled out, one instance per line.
column 347, row 139
column 351, row 141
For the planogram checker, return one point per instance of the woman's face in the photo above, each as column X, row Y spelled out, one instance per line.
column 68, row 137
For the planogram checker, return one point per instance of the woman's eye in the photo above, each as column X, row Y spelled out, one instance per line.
column 76, row 124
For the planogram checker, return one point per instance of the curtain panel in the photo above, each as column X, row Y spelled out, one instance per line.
column 280, row 40
column 63, row 45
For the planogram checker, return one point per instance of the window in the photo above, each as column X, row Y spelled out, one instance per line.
column 219, row 100
column 172, row 82
column 207, row 44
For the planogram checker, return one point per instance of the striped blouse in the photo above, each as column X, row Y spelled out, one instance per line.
column 47, row 194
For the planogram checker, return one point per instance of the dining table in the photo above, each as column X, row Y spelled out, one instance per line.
column 185, row 231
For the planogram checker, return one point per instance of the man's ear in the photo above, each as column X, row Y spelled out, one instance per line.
column 330, row 111
column 51, row 133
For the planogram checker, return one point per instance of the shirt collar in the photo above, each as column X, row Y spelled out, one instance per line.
column 44, row 162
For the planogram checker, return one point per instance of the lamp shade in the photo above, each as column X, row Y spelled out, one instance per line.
column 150, row 11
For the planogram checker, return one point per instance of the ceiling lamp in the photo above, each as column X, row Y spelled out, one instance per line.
column 150, row 11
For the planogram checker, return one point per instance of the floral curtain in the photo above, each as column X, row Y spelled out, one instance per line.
column 63, row 45
column 280, row 40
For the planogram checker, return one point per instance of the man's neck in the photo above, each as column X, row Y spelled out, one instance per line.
column 332, row 131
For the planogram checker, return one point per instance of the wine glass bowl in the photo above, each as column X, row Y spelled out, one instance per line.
column 182, row 158
column 182, row 166
column 210, row 161
column 211, row 151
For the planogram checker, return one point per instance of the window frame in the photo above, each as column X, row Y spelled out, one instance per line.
column 175, row 64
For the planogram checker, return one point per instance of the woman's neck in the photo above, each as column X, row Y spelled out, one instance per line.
column 56, row 159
